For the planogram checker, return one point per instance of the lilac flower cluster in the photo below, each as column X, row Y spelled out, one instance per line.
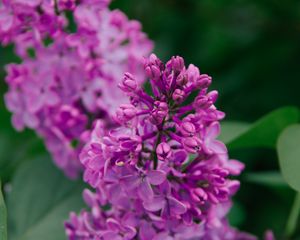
column 101, row 224
column 68, row 79
column 162, row 174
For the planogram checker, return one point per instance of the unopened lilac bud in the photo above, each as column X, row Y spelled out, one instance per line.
column 199, row 195
column 152, row 71
column 201, row 102
column 192, row 144
column 153, row 59
column 176, row 63
column 192, row 73
column 203, row 81
column 221, row 172
column 205, row 101
column 178, row 95
column 128, row 84
column 213, row 95
column 152, row 67
column 182, row 79
column 159, row 112
column 163, row 151
column 168, row 81
column 126, row 112
column 187, row 129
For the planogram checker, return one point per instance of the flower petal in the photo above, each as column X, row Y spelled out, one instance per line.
column 113, row 224
column 176, row 207
column 156, row 177
column 144, row 190
column 154, row 204
column 213, row 130
column 130, row 182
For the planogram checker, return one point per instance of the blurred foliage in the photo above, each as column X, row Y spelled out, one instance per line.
column 3, row 217
column 40, row 200
column 288, row 153
column 14, row 147
column 251, row 48
column 263, row 133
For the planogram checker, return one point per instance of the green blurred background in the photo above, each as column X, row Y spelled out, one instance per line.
column 251, row 49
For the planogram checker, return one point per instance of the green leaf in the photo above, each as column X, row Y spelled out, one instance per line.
column 28, row 145
column 264, row 132
column 231, row 130
column 288, row 148
column 40, row 201
column 273, row 179
column 3, row 218
column 293, row 217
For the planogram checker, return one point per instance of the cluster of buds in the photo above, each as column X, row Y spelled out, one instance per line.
column 65, row 79
column 162, row 174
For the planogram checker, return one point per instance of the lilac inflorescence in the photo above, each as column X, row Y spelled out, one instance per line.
column 162, row 174
column 70, row 70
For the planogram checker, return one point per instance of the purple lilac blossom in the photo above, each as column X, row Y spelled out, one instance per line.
column 162, row 174
column 71, row 79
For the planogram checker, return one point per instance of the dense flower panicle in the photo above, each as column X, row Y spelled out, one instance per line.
column 29, row 22
column 66, row 78
column 162, row 174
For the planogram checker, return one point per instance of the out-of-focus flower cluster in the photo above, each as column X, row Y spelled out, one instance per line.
column 70, row 68
column 162, row 174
